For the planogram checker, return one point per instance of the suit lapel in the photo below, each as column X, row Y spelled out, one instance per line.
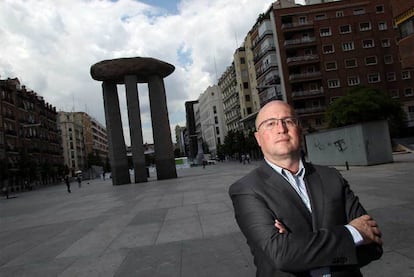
column 314, row 187
column 282, row 189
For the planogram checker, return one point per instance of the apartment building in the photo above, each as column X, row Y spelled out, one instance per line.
column 246, row 85
column 326, row 49
column 81, row 135
column 30, row 149
column 212, row 125
column 403, row 12
column 190, row 136
column 230, row 98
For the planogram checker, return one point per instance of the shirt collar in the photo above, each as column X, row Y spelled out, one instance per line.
column 282, row 171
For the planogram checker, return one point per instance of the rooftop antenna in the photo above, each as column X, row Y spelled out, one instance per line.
column 215, row 69
column 73, row 102
column 235, row 37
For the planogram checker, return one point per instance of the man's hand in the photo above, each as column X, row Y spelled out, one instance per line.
column 368, row 228
column 280, row 227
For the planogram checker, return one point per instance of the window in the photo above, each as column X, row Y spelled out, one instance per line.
column 348, row 46
column 382, row 26
column 333, row 83
column 318, row 121
column 359, row 11
column 242, row 61
column 247, row 97
column 339, row 14
column 314, row 86
column 405, row 75
column 216, row 120
column 391, row 76
column 214, row 109
column 373, row 78
column 368, row 43
column 351, row 63
column 330, row 66
column 365, row 26
column 329, row 48
column 344, row 29
column 353, row 80
column 325, row 32
column 388, row 59
column 320, row 16
column 245, row 85
column 371, row 60
column 385, row 42
column 379, row 9
column 410, row 111
column 394, row 93
column 408, row 92
column 406, row 28
column 302, row 20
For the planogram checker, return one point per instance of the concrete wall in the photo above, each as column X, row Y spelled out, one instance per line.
column 361, row 144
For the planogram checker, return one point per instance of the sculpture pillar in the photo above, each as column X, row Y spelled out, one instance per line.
column 117, row 149
column 135, row 129
column 164, row 151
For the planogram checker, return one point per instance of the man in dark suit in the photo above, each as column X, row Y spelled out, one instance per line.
column 300, row 219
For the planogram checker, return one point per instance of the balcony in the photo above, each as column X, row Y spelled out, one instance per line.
column 259, row 38
column 306, row 75
column 265, row 67
column 299, row 41
column 263, row 52
column 297, row 26
column 300, row 59
column 316, row 109
column 307, row 93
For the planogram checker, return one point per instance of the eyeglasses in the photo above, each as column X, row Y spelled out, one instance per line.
column 288, row 122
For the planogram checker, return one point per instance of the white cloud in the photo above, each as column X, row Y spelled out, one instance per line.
column 50, row 46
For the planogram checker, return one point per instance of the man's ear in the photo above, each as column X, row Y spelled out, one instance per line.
column 257, row 136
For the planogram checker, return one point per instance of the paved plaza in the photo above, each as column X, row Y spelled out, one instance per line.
column 177, row 228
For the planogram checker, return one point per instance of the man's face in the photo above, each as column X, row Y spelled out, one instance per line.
column 276, row 139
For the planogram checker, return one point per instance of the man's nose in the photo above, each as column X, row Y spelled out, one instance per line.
column 280, row 127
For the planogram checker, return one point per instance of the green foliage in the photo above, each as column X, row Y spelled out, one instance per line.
column 94, row 159
column 238, row 143
column 363, row 104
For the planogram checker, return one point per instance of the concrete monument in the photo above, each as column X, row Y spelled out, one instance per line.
column 130, row 72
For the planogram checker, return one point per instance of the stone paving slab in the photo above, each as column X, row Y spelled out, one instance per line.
column 178, row 227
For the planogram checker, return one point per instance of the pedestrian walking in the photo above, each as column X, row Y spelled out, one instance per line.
column 67, row 181
column 6, row 191
column 79, row 179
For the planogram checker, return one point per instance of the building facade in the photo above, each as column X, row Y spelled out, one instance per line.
column 230, row 98
column 212, row 124
column 30, row 148
column 180, row 135
column 403, row 12
column 332, row 47
column 81, row 136
column 190, row 138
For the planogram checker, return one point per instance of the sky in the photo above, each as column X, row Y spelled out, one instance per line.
column 50, row 46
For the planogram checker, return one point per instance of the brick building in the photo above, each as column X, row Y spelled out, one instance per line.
column 30, row 149
column 326, row 49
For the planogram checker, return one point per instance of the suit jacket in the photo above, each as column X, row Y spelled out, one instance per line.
column 314, row 240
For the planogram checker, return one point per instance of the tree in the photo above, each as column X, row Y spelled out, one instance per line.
column 94, row 159
column 363, row 104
